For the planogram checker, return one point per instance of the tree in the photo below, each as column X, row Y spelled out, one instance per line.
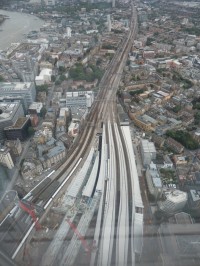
column 53, row 78
column 197, row 118
column 43, row 112
column 42, row 88
column 149, row 41
column 58, row 82
column 1, row 79
column 61, row 69
column 128, row 62
column 184, row 138
column 99, row 61
column 158, row 215
column 62, row 78
column 177, row 108
column 90, row 73
column 31, row 131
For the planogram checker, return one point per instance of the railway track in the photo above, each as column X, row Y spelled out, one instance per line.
column 98, row 113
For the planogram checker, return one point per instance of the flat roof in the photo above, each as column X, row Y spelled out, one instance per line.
column 8, row 109
column 135, row 179
column 195, row 194
column 77, row 182
column 177, row 196
column 19, row 123
column 15, row 86
column 149, row 119
column 148, row 146
column 163, row 93
column 87, row 191
column 55, row 151
column 183, row 218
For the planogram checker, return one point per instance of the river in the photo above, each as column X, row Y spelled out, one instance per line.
column 14, row 28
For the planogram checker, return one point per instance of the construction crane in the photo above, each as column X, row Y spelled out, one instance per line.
column 84, row 243
column 29, row 208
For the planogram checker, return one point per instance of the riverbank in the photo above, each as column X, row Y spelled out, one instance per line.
column 16, row 26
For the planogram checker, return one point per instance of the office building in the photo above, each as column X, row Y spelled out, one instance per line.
column 14, row 89
column 19, row 130
column 49, row 2
column 15, row 98
column 9, row 113
column 68, row 32
column 79, row 98
column 25, row 67
column 113, row 3
column 55, row 152
column 15, row 146
column 148, row 152
column 5, row 157
column 44, row 77
column 154, row 182
column 109, row 23
column 174, row 202
column 35, row 108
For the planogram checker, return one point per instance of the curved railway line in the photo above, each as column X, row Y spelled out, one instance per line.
column 98, row 112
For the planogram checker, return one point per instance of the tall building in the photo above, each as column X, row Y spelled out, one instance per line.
column 24, row 89
column 148, row 152
column 15, row 98
column 113, row 3
column 68, row 32
column 26, row 68
column 109, row 23
column 9, row 113
column 154, row 182
column 79, row 98
column 5, row 157
column 49, row 2
column 174, row 202
column 15, row 146
column 19, row 130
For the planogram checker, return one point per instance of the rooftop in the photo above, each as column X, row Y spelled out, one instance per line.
column 19, row 123
column 176, row 196
column 7, row 110
column 155, row 175
column 15, row 86
column 183, row 218
column 148, row 146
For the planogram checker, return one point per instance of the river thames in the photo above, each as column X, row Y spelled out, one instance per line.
column 14, row 28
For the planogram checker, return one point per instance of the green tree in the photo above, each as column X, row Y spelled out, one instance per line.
column 184, row 138
column 42, row 88
column 1, row 79
column 149, row 41
column 31, row 131
column 61, row 69
column 99, row 61
column 43, row 112
column 197, row 118
column 53, row 78
column 177, row 108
